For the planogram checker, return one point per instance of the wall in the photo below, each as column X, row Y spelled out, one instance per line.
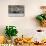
column 26, row 25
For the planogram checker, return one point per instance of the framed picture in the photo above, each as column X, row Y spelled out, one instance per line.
column 16, row 10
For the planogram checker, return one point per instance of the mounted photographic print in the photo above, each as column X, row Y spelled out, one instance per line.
column 16, row 10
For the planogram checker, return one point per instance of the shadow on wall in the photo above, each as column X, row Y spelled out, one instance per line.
column 34, row 22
